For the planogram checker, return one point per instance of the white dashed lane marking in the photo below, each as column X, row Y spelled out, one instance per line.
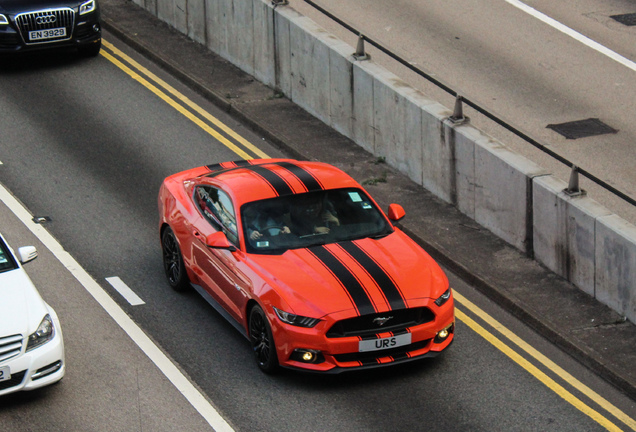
column 125, row 291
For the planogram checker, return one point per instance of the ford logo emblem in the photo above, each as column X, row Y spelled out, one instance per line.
column 46, row 19
column 380, row 321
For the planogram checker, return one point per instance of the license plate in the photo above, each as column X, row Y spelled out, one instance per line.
column 384, row 343
column 47, row 34
column 5, row 373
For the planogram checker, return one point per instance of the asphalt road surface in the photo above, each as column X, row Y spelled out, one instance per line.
column 86, row 143
column 533, row 64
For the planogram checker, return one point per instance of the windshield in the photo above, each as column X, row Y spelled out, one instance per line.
column 6, row 259
column 304, row 220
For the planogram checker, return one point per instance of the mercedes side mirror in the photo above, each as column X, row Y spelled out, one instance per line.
column 27, row 253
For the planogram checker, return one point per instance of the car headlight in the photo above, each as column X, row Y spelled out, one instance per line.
column 296, row 320
column 443, row 298
column 87, row 7
column 42, row 335
column 3, row 20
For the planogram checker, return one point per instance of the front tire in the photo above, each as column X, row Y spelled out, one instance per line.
column 173, row 265
column 262, row 341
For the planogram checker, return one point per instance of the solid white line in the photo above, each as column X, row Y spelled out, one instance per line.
column 125, row 291
column 574, row 34
column 170, row 370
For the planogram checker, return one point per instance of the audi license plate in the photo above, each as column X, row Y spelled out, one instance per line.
column 47, row 34
column 5, row 373
column 385, row 343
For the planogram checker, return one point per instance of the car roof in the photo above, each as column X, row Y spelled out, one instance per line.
column 268, row 178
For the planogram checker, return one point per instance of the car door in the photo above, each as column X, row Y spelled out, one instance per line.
column 219, row 267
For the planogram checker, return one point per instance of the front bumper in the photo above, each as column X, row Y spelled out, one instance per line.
column 37, row 368
column 335, row 355
column 87, row 30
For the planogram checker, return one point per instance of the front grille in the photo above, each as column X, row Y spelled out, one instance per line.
column 365, row 326
column 16, row 379
column 372, row 357
column 10, row 346
column 45, row 20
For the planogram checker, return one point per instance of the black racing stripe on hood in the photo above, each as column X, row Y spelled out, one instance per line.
column 361, row 300
column 214, row 167
column 381, row 277
column 276, row 182
column 310, row 182
column 228, row 165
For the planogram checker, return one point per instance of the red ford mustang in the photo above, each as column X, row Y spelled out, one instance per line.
column 303, row 262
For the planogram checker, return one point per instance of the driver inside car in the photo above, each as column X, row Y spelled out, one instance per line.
column 266, row 220
column 312, row 214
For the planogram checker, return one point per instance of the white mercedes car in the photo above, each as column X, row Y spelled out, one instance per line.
column 31, row 346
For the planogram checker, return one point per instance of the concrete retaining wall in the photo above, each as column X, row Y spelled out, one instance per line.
column 504, row 192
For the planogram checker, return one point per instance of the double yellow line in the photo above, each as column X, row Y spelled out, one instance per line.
column 179, row 102
column 246, row 150
column 546, row 362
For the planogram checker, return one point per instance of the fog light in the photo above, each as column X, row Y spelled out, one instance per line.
column 96, row 28
column 307, row 356
column 47, row 370
column 444, row 333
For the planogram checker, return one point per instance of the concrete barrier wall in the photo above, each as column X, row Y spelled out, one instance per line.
column 503, row 186
column 397, row 125
column 195, row 20
column 309, row 67
column 616, row 265
column 565, row 231
column 511, row 196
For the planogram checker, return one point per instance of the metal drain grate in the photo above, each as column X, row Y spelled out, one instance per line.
column 582, row 128
column 626, row 19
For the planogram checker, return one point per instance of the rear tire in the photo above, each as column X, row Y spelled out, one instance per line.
column 262, row 341
column 173, row 265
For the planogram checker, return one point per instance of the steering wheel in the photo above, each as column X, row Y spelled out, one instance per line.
column 269, row 227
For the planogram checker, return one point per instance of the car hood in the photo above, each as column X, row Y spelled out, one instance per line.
column 370, row 276
column 21, row 307
column 17, row 6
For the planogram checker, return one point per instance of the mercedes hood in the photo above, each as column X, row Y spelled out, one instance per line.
column 21, row 307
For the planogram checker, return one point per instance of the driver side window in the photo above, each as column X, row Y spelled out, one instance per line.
column 217, row 207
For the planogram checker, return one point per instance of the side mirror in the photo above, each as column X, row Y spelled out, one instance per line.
column 27, row 253
column 396, row 212
column 219, row 240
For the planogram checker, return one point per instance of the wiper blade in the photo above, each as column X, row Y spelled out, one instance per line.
column 380, row 236
column 312, row 235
